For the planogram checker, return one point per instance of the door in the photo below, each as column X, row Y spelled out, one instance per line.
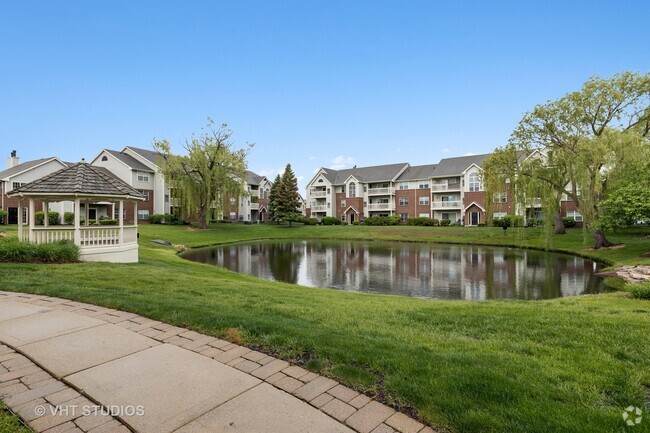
column 92, row 214
column 352, row 218
column 13, row 215
column 473, row 218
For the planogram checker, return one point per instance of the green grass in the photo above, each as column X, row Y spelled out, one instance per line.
column 565, row 365
column 13, row 250
column 10, row 423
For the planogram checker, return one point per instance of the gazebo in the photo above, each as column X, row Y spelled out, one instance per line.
column 84, row 184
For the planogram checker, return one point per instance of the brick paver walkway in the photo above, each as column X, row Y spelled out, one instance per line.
column 72, row 367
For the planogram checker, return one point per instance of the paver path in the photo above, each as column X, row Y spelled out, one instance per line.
column 71, row 367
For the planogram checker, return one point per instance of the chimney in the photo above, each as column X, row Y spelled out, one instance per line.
column 13, row 160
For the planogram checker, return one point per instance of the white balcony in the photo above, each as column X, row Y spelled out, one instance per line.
column 380, row 206
column 446, row 204
column 255, row 206
column 314, row 194
column 445, row 187
column 319, row 209
column 381, row 191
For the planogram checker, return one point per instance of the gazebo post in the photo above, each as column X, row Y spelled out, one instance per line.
column 32, row 220
column 46, row 215
column 135, row 213
column 121, row 220
column 77, row 218
column 20, row 221
column 87, row 207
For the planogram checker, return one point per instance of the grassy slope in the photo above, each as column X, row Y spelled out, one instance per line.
column 566, row 365
column 9, row 423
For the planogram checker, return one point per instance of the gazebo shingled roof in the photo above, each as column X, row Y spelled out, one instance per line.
column 80, row 179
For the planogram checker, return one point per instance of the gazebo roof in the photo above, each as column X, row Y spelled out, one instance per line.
column 79, row 180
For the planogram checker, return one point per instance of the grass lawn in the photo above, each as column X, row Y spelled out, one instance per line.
column 9, row 423
column 564, row 365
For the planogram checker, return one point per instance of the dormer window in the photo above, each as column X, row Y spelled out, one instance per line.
column 104, row 158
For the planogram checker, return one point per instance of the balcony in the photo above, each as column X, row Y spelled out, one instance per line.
column 315, row 194
column 446, row 204
column 255, row 206
column 445, row 187
column 381, row 191
column 380, row 206
column 319, row 209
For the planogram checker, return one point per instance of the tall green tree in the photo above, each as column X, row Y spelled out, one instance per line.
column 287, row 203
column 273, row 197
column 211, row 169
column 575, row 145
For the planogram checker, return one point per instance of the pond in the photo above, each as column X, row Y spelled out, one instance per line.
column 420, row 270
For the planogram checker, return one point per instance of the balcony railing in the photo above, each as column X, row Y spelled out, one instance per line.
column 445, row 187
column 319, row 208
column 318, row 193
column 88, row 236
column 255, row 206
column 381, row 206
column 446, row 204
column 381, row 191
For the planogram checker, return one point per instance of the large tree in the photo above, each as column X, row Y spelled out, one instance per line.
column 273, row 197
column 287, row 200
column 211, row 170
column 575, row 145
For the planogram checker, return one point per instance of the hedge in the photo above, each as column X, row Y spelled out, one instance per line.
column 15, row 251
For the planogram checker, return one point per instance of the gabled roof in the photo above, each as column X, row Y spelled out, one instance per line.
column 27, row 166
column 130, row 161
column 377, row 173
column 148, row 154
column 456, row 166
column 418, row 172
column 253, row 178
column 79, row 179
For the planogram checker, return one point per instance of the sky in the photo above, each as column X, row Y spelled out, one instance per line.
column 313, row 83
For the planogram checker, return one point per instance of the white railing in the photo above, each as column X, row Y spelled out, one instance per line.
column 445, row 187
column 88, row 236
column 380, row 191
column 44, row 235
column 319, row 208
column 101, row 236
column 380, row 206
column 318, row 193
column 255, row 206
column 130, row 234
column 446, row 204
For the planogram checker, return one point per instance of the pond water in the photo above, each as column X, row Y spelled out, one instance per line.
column 419, row 270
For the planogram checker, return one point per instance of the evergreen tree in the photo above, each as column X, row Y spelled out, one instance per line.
column 287, row 203
column 273, row 196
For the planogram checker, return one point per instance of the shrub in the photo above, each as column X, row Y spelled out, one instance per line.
column 481, row 224
column 68, row 218
column 498, row 222
column 568, row 222
column 309, row 221
column 394, row 220
column 355, row 223
column 420, row 221
column 3, row 214
column 445, row 223
column 535, row 222
column 330, row 221
column 53, row 218
column 158, row 218
column 108, row 222
column 13, row 250
column 640, row 291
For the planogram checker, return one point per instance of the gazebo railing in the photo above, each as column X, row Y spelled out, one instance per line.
column 88, row 236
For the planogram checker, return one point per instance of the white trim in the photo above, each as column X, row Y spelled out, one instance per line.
column 470, row 166
column 353, row 208
column 472, row 204
column 319, row 172
column 54, row 158
column 53, row 195
column 142, row 159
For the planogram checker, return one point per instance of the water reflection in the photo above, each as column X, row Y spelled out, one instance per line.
column 418, row 270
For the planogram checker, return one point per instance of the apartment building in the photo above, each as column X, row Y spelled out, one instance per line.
column 450, row 190
column 252, row 206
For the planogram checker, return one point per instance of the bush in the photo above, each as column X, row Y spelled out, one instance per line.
column 53, row 218
column 640, row 291
column 108, row 222
column 68, row 218
column 481, row 224
column 309, row 221
column 381, row 221
column 3, row 214
column 535, row 222
column 15, row 251
column 420, row 221
column 330, row 221
column 498, row 222
column 90, row 222
column 568, row 222
column 158, row 218
column 355, row 223
column 445, row 223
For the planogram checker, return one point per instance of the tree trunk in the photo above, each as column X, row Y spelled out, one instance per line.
column 601, row 240
column 203, row 218
column 559, row 224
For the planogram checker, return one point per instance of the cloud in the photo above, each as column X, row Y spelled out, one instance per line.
column 270, row 173
column 341, row 162
column 299, row 178
column 446, row 150
column 469, row 154
column 311, row 158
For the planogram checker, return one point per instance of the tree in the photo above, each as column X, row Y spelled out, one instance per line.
column 574, row 146
column 287, row 200
column 629, row 198
column 273, row 197
column 211, row 170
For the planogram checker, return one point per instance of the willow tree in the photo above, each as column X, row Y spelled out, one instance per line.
column 572, row 147
column 211, row 170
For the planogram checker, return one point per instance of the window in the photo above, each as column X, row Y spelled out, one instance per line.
column 143, row 176
column 474, row 182
column 352, row 189
column 232, row 201
column 403, row 185
column 575, row 215
column 17, row 185
column 403, row 201
column 145, row 193
column 143, row 214
column 424, row 215
column 233, row 215
column 320, row 180
column 343, row 217
column 116, row 215
column 498, row 215
column 499, row 197
column 423, row 185
column 342, row 203
column 404, row 216
column 423, row 200
column 166, row 198
column 24, row 215
column 104, row 158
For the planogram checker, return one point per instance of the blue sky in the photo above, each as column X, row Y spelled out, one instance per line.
column 314, row 83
